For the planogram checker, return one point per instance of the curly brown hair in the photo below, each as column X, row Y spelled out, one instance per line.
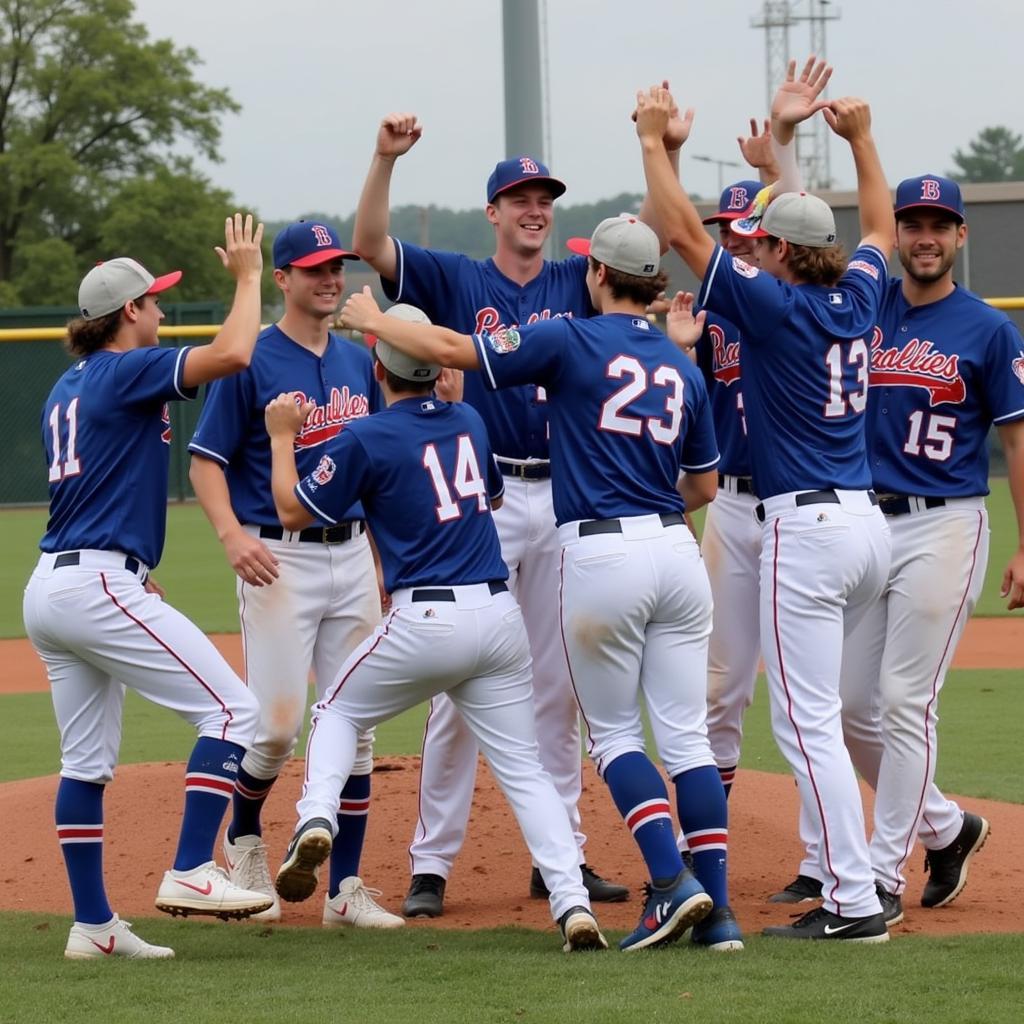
column 813, row 265
column 643, row 290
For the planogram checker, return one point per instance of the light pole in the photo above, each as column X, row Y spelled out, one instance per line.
column 719, row 164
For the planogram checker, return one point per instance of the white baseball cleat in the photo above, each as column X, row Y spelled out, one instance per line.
column 207, row 890
column 356, row 906
column 115, row 938
column 249, row 868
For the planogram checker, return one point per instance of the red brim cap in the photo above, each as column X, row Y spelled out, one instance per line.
column 314, row 259
column 580, row 246
column 165, row 281
column 718, row 218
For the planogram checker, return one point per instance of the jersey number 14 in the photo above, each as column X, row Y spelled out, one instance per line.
column 467, row 481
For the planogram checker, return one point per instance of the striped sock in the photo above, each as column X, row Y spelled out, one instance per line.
column 728, row 776
column 79, row 816
column 353, row 813
column 209, row 783
column 705, row 819
column 640, row 795
column 247, row 802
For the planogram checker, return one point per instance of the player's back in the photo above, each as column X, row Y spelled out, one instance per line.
column 425, row 473
column 106, row 434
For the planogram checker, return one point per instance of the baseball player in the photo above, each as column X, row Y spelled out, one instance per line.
column 93, row 613
column 627, row 411
column 803, row 315
column 517, row 286
column 425, row 474
column 305, row 598
column 944, row 368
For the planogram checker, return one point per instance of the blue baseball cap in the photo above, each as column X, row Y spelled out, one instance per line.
column 734, row 202
column 520, row 170
column 930, row 190
column 308, row 243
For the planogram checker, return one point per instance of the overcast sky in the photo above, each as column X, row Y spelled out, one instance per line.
column 314, row 78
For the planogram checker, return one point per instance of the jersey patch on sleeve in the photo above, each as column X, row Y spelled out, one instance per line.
column 324, row 472
column 503, row 340
column 743, row 268
column 868, row 268
column 1018, row 367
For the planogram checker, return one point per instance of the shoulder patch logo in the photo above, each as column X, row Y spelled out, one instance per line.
column 868, row 268
column 743, row 268
column 504, row 341
column 1018, row 367
column 324, row 471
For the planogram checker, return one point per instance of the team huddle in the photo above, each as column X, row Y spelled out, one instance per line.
column 487, row 507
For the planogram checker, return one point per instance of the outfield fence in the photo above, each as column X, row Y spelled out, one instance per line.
column 31, row 360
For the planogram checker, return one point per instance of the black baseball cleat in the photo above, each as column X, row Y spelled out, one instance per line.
column 425, row 897
column 599, row 889
column 580, row 931
column 948, row 867
column 803, row 889
column 310, row 847
column 892, row 905
column 823, row 924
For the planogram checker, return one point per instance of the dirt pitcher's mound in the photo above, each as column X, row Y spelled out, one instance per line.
column 489, row 885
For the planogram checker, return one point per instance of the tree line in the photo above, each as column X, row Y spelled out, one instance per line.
column 94, row 116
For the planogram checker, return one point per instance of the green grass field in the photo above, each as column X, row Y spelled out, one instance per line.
column 425, row 975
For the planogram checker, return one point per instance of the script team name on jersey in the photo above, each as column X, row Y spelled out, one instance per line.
column 488, row 320
column 917, row 365
column 725, row 356
column 325, row 421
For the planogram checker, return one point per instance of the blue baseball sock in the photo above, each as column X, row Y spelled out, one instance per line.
column 704, row 817
column 209, row 783
column 247, row 804
column 640, row 795
column 353, row 813
column 79, row 816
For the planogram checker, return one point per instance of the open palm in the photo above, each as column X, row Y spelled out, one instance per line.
column 797, row 98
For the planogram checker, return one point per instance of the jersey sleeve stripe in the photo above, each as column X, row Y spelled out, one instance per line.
column 308, row 502
column 710, row 277
column 1006, row 417
column 400, row 274
column 206, row 453
column 700, row 469
column 179, row 372
column 485, row 363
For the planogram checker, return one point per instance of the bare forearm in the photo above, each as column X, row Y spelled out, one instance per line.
column 370, row 237
column 697, row 489
column 676, row 215
column 211, row 487
column 283, row 478
column 427, row 342
column 231, row 350
column 877, row 223
column 1013, row 447
column 649, row 215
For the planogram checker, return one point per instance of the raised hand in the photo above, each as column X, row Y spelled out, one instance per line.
column 678, row 130
column 285, row 414
column 681, row 325
column 359, row 310
column 654, row 112
column 849, row 117
column 242, row 254
column 757, row 147
column 397, row 134
column 797, row 98
column 449, row 385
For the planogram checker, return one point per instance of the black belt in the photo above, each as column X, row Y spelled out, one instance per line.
column 826, row 497
column 899, row 504
column 744, row 484
column 589, row 527
column 530, row 471
column 133, row 565
column 446, row 594
column 318, row 534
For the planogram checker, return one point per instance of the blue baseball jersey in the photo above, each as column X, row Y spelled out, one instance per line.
column 231, row 430
column 718, row 356
column 941, row 375
column 628, row 411
column 805, row 369
column 474, row 297
column 107, row 439
column 424, row 473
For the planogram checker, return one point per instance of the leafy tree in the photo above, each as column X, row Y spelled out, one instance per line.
column 996, row 154
column 90, row 109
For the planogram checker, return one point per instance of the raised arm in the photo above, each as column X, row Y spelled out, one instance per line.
column 758, row 152
column 796, row 100
column 678, row 219
column 231, row 350
column 425, row 342
column 397, row 134
column 677, row 131
column 284, row 417
column 851, row 119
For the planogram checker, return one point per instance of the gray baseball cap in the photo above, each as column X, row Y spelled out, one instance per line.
column 400, row 364
column 622, row 243
column 108, row 286
column 798, row 217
